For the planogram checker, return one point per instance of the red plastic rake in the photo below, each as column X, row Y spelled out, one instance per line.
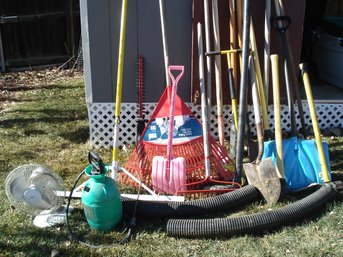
column 187, row 143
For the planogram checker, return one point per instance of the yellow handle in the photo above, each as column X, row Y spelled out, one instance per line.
column 119, row 77
column 231, row 51
column 259, row 78
column 317, row 135
column 228, row 59
column 277, row 114
column 235, row 113
column 234, row 104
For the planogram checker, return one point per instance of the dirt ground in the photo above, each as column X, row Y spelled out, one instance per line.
column 12, row 84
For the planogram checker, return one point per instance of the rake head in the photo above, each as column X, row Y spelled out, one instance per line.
column 140, row 163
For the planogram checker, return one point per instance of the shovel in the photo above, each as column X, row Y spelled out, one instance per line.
column 277, row 117
column 243, row 92
column 261, row 174
column 169, row 173
column 300, row 157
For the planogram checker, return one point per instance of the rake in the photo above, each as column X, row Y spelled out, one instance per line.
column 187, row 142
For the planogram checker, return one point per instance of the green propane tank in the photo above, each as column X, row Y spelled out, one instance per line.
column 100, row 196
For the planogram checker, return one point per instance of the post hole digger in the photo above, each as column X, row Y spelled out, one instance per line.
column 280, row 12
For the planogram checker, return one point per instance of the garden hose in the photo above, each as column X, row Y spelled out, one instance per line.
column 252, row 223
column 194, row 208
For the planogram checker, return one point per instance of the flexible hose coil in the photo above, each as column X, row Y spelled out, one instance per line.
column 193, row 208
column 252, row 223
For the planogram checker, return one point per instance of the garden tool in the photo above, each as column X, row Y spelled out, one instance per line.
column 168, row 172
column 261, row 173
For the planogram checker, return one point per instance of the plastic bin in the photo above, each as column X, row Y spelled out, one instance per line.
column 327, row 54
column 333, row 25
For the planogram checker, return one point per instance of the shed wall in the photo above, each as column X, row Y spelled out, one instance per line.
column 100, row 25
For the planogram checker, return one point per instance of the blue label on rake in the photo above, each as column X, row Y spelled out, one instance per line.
column 186, row 128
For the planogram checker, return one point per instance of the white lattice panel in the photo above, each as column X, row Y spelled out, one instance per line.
column 101, row 117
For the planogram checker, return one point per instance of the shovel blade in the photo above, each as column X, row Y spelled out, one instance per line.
column 166, row 180
column 264, row 177
column 301, row 161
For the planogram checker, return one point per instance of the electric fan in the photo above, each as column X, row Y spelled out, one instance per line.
column 39, row 191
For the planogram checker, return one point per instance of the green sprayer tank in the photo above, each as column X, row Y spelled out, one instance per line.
column 101, row 200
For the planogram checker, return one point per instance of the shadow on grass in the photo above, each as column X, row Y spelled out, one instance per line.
column 36, row 242
column 34, row 132
column 335, row 157
column 27, row 155
column 79, row 136
column 23, row 122
column 30, row 87
column 14, row 99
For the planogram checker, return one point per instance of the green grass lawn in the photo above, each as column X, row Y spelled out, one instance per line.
column 48, row 124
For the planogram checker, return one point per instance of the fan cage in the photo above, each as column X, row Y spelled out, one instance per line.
column 48, row 183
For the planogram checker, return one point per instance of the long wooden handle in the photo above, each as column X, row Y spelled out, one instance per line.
column 234, row 40
column 164, row 41
column 266, row 47
column 232, row 90
column 203, row 102
column 259, row 78
column 256, row 105
column 218, row 74
column 277, row 114
column 208, row 58
column 315, row 124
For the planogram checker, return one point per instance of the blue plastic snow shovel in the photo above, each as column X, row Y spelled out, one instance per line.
column 301, row 161
column 300, row 157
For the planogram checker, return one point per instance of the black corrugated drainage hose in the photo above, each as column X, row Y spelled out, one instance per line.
column 253, row 223
column 193, row 208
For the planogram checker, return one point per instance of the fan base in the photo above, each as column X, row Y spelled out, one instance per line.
column 49, row 219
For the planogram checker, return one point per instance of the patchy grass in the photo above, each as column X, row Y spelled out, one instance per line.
column 47, row 124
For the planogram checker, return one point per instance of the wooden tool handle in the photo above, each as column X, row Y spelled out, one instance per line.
column 277, row 114
column 315, row 125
